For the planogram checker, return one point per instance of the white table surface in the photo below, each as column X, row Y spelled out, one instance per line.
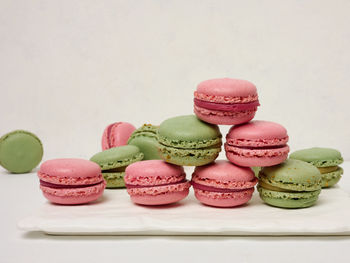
column 20, row 196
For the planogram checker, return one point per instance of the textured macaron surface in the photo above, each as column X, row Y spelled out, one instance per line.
column 257, row 134
column 188, row 132
column 223, row 174
column 70, row 172
column 116, row 134
column 319, row 157
column 226, row 90
column 152, row 173
column 117, row 157
column 293, row 175
column 20, row 151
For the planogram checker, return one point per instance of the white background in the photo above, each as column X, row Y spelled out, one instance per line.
column 69, row 68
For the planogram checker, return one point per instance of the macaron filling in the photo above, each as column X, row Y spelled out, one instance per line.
column 131, row 186
column 215, row 189
column 109, row 137
column 265, row 151
column 61, row 186
column 227, row 107
column 225, row 99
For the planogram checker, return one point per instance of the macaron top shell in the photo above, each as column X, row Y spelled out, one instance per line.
column 153, row 172
column 228, row 87
column 293, row 174
column 147, row 130
column 117, row 157
column 188, row 132
column 320, row 157
column 224, row 171
column 257, row 134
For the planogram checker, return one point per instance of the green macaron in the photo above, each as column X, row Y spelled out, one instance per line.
column 146, row 139
column 186, row 140
column 292, row 184
column 326, row 160
column 114, row 161
column 20, row 151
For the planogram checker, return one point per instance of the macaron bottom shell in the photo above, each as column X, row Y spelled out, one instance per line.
column 189, row 157
column 114, row 179
column 73, row 196
column 252, row 161
column 332, row 178
column 288, row 199
column 224, row 118
column 218, row 199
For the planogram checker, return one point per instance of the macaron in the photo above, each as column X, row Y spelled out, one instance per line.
column 114, row 161
column 326, row 160
column 223, row 184
column 116, row 134
column 20, row 151
column 155, row 182
column 186, row 140
column 71, row 181
column 291, row 184
column 226, row 101
column 257, row 143
column 145, row 138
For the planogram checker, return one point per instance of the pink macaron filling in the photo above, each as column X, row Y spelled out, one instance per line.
column 227, row 107
column 60, row 186
column 130, row 186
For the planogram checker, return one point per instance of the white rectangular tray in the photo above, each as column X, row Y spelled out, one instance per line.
column 115, row 214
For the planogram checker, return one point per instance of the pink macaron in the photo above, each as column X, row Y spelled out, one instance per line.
column 257, row 143
column 226, row 101
column 223, row 184
column 155, row 182
column 71, row 181
column 116, row 134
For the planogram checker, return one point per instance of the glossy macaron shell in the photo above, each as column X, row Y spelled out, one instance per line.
column 257, row 143
column 145, row 138
column 186, row 140
column 116, row 134
column 223, row 184
column 226, row 101
column 71, row 181
column 20, row 151
column 326, row 160
column 155, row 182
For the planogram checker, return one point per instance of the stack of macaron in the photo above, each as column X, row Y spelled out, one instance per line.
column 149, row 161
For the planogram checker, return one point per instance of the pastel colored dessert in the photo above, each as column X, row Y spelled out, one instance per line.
column 116, row 134
column 226, row 101
column 114, row 161
column 326, row 160
column 257, row 143
column 223, row 184
column 155, row 182
column 146, row 139
column 186, row 140
column 20, row 151
column 71, row 181
column 291, row 184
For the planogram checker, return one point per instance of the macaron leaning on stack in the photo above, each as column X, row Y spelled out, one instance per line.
column 114, row 161
column 186, row 140
column 326, row 160
column 226, row 101
column 116, row 134
column 145, row 138
column 291, row 184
